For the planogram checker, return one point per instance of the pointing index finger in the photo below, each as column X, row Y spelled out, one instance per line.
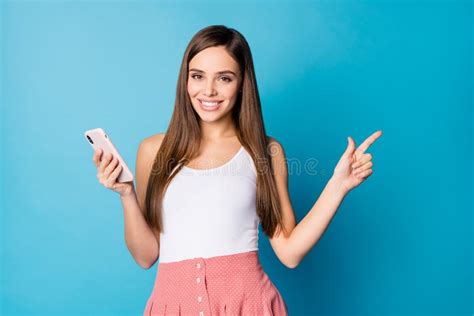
column 369, row 141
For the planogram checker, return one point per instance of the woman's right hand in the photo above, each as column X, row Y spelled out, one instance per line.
column 108, row 170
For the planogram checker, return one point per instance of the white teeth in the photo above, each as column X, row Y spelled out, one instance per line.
column 209, row 103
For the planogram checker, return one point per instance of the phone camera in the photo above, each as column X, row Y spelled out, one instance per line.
column 89, row 139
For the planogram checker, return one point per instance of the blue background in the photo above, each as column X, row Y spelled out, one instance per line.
column 400, row 244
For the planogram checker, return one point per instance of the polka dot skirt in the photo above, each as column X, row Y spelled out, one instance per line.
column 224, row 285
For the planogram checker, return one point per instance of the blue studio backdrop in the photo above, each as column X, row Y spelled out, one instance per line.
column 400, row 244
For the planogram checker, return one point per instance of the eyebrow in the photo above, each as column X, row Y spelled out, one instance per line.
column 219, row 72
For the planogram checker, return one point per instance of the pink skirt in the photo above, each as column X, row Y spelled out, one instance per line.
column 223, row 285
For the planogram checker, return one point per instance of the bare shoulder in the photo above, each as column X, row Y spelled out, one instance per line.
column 145, row 157
column 153, row 142
column 272, row 141
column 274, row 147
column 277, row 154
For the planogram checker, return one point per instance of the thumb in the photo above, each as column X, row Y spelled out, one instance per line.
column 350, row 147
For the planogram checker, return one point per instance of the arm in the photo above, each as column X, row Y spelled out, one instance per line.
column 141, row 241
column 352, row 169
column 310, row 229
column 291, row 248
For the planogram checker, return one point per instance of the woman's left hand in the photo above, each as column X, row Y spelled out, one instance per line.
column 355, row 165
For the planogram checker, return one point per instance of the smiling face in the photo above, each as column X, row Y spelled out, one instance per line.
column 213, row 83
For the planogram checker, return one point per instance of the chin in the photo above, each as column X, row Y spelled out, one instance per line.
column 211, row 117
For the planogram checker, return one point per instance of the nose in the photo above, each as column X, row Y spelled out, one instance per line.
column 210, row 88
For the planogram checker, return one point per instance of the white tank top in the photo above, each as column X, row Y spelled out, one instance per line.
column 211, row 212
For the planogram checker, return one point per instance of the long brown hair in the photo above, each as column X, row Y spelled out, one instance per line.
column 182, row 139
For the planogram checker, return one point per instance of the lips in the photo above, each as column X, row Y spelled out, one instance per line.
column 209, row 102
column 209, row 106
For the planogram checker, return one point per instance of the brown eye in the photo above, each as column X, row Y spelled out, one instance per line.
column 227, row 79
column 193, row 76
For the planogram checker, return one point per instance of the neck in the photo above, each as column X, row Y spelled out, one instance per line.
column 212, row 131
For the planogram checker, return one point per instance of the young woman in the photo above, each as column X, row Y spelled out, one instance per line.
column 204, row 186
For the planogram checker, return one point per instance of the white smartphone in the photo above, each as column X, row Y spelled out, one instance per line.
column 100, row 140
